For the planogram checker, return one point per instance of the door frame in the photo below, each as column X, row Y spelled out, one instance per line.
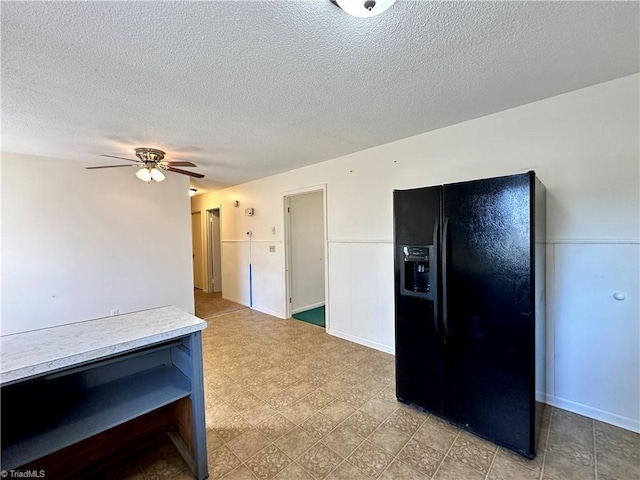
column 202, row 250
column 206, row 247
column 210, row 275
column 287, row 247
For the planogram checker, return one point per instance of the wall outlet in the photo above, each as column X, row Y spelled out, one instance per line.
column 115, row 311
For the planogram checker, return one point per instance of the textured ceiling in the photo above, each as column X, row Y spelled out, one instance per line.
column 247, row 89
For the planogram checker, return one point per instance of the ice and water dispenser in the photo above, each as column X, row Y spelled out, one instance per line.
column 417, row 275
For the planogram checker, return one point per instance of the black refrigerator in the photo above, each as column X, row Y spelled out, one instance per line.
column 470, row 304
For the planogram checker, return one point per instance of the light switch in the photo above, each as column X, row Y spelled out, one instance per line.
column 272, row 248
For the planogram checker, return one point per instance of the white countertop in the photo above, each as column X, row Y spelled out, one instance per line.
column 33, row 353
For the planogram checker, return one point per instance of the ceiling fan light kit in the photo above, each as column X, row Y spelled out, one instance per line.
column 151, row 161
column 364, row 8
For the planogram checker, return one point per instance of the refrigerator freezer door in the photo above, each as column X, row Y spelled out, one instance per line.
column 419, row 343
column 489, row 373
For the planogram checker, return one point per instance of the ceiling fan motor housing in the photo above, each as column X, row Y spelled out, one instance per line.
column 149, row 155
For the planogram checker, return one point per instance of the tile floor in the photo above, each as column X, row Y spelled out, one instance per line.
column 286, row 401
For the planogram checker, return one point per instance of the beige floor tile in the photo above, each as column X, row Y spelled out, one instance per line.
column 616, row 442
column 567, row 427
column 468, row 452
column 388, row 393
column 258, row 413
column 266, row 390
column 318, row 399
column 299, row 412
column 503, row 468
column 406, row 419
column 221, row 412
column 339, row 410
column 374, row 385
column 421, row 457
column 248, row 443
column 293, row 472
column 560, row 467
column 282, row 399
column 356, row 396
column 432, row 435
column 229, row 391
column 268, row 462
column 371, row 459
column 221, row 462
column 614, row 466
column 229, row 428
column 161, row 461
column 276, row 426
column 362, row 423
column 534, row 464
column 244, row 401
column 300, row 390
column 342, row 440
column 295, row 442
column 347, row 471
column 238, row 473
column 401, row 471
column 318, row 425
column 336, row 387
column 319, row 461
column 451, row 469
column 379, row 408
column 388, row 438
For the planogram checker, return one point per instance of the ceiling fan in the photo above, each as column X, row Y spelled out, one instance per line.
column 151, row 162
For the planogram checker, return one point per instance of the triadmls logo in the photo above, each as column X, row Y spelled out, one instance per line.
column 23, row 474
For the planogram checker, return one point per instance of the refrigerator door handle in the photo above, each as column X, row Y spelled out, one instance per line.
column 445, row 260
column 434, row 282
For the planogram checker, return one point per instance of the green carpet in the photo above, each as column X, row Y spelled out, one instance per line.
column 314, row 316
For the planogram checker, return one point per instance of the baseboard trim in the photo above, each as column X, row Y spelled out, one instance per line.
column 595, row 413
column 268, row 312
column 360, row 340
column 308, row 307
column 235, row 300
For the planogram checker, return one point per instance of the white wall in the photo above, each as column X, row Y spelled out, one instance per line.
column 306, row 247
column 78, row 243
column 584, row 147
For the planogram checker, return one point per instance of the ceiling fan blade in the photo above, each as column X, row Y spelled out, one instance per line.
column 180, row 164
column 109, row 166
column 184, row 172
column 121, row 158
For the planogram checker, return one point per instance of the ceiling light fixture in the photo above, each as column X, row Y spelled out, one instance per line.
column 192, row 191
column 364, row 8
column 157, row 175
column 146, row 174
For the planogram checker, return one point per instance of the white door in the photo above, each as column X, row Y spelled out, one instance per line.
column 196, row 242
column 306, row 251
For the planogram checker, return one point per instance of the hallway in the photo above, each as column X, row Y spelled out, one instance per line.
column 210, row 305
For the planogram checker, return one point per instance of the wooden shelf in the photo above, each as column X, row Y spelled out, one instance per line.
column 93, row 411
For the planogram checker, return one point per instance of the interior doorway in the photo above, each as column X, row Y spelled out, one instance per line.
column 306, row 255
column 196, row 245
column 215, row 251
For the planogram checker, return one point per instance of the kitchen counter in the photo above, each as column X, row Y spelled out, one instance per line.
column 64, row 385
column 44, row 351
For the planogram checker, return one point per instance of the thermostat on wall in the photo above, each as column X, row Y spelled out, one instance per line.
column 248, row 212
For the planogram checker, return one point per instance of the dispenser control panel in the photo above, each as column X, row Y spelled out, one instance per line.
column 416, row 254
column 416, row 276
